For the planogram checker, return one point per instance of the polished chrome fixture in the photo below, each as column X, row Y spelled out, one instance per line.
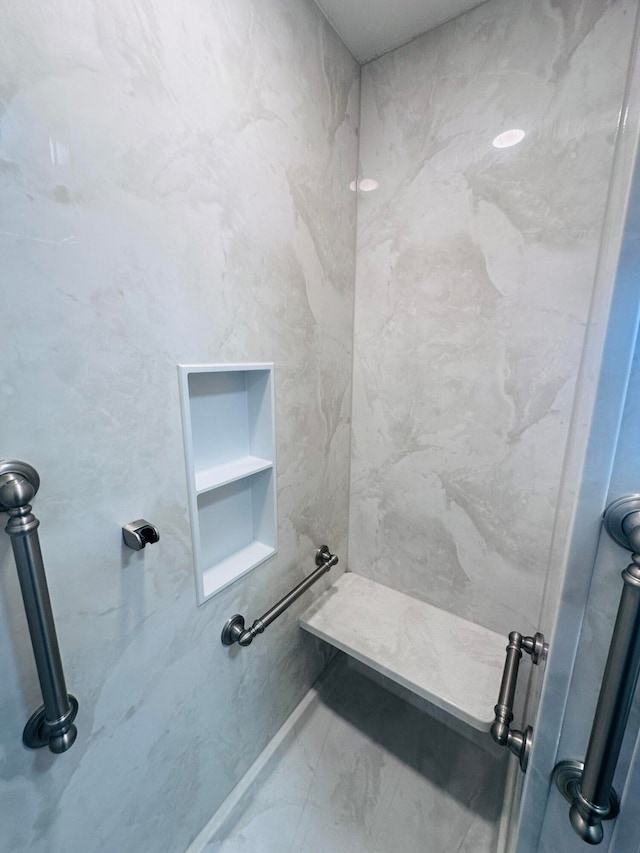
column 139, row 533
column 234, row 630
column 588, row 786
column 52, row 724
column 518, row 742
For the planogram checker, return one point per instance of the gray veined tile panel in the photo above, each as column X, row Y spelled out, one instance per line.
column 174, row 190
column 451, row 662
column 364, row 772
column 474, row 277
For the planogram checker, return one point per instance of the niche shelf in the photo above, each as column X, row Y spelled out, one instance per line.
column 228, row 427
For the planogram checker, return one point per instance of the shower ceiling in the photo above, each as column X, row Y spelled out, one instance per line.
column 370, row 28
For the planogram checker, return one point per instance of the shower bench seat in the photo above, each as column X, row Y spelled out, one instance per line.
column 454, row 664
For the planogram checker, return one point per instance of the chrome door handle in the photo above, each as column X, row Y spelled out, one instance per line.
column 588, row 786
column 52, row 724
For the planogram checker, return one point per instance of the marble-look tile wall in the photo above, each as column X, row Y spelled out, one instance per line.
column 174, row 188
column 475, row 268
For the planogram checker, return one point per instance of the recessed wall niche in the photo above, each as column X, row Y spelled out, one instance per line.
column 229, row 446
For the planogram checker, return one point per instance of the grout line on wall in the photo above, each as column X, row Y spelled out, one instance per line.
column 353, row 322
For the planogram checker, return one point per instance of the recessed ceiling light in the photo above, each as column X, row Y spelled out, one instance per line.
column 366, row 185
column 508, row 138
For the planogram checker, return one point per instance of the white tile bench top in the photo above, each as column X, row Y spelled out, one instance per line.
column 452, row 663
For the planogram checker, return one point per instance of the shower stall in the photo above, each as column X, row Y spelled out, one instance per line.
column 423, row 351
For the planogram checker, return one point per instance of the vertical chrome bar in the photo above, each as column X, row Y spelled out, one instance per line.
column 518, row 742
column 616, row 694
column 588, row 787
column 504, row 709
column 51, row 725
column 37, row 605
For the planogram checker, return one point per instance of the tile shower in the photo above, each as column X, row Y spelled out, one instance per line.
column 175, row 189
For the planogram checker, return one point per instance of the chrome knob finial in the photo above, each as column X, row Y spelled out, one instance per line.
column 19, row 484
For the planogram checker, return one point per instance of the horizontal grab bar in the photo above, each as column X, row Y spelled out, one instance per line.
column 234, row 630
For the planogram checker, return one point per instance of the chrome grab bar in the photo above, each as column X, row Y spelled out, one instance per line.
column 588, row 786
column 52, row 724
column 519, row 743
column 234, row 630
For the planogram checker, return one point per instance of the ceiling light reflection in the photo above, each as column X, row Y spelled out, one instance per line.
column 367, row 185
column 508, row 138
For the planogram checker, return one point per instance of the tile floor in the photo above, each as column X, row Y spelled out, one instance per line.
column 365, row 772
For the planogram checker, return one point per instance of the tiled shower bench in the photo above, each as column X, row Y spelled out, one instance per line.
column 454, row 664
